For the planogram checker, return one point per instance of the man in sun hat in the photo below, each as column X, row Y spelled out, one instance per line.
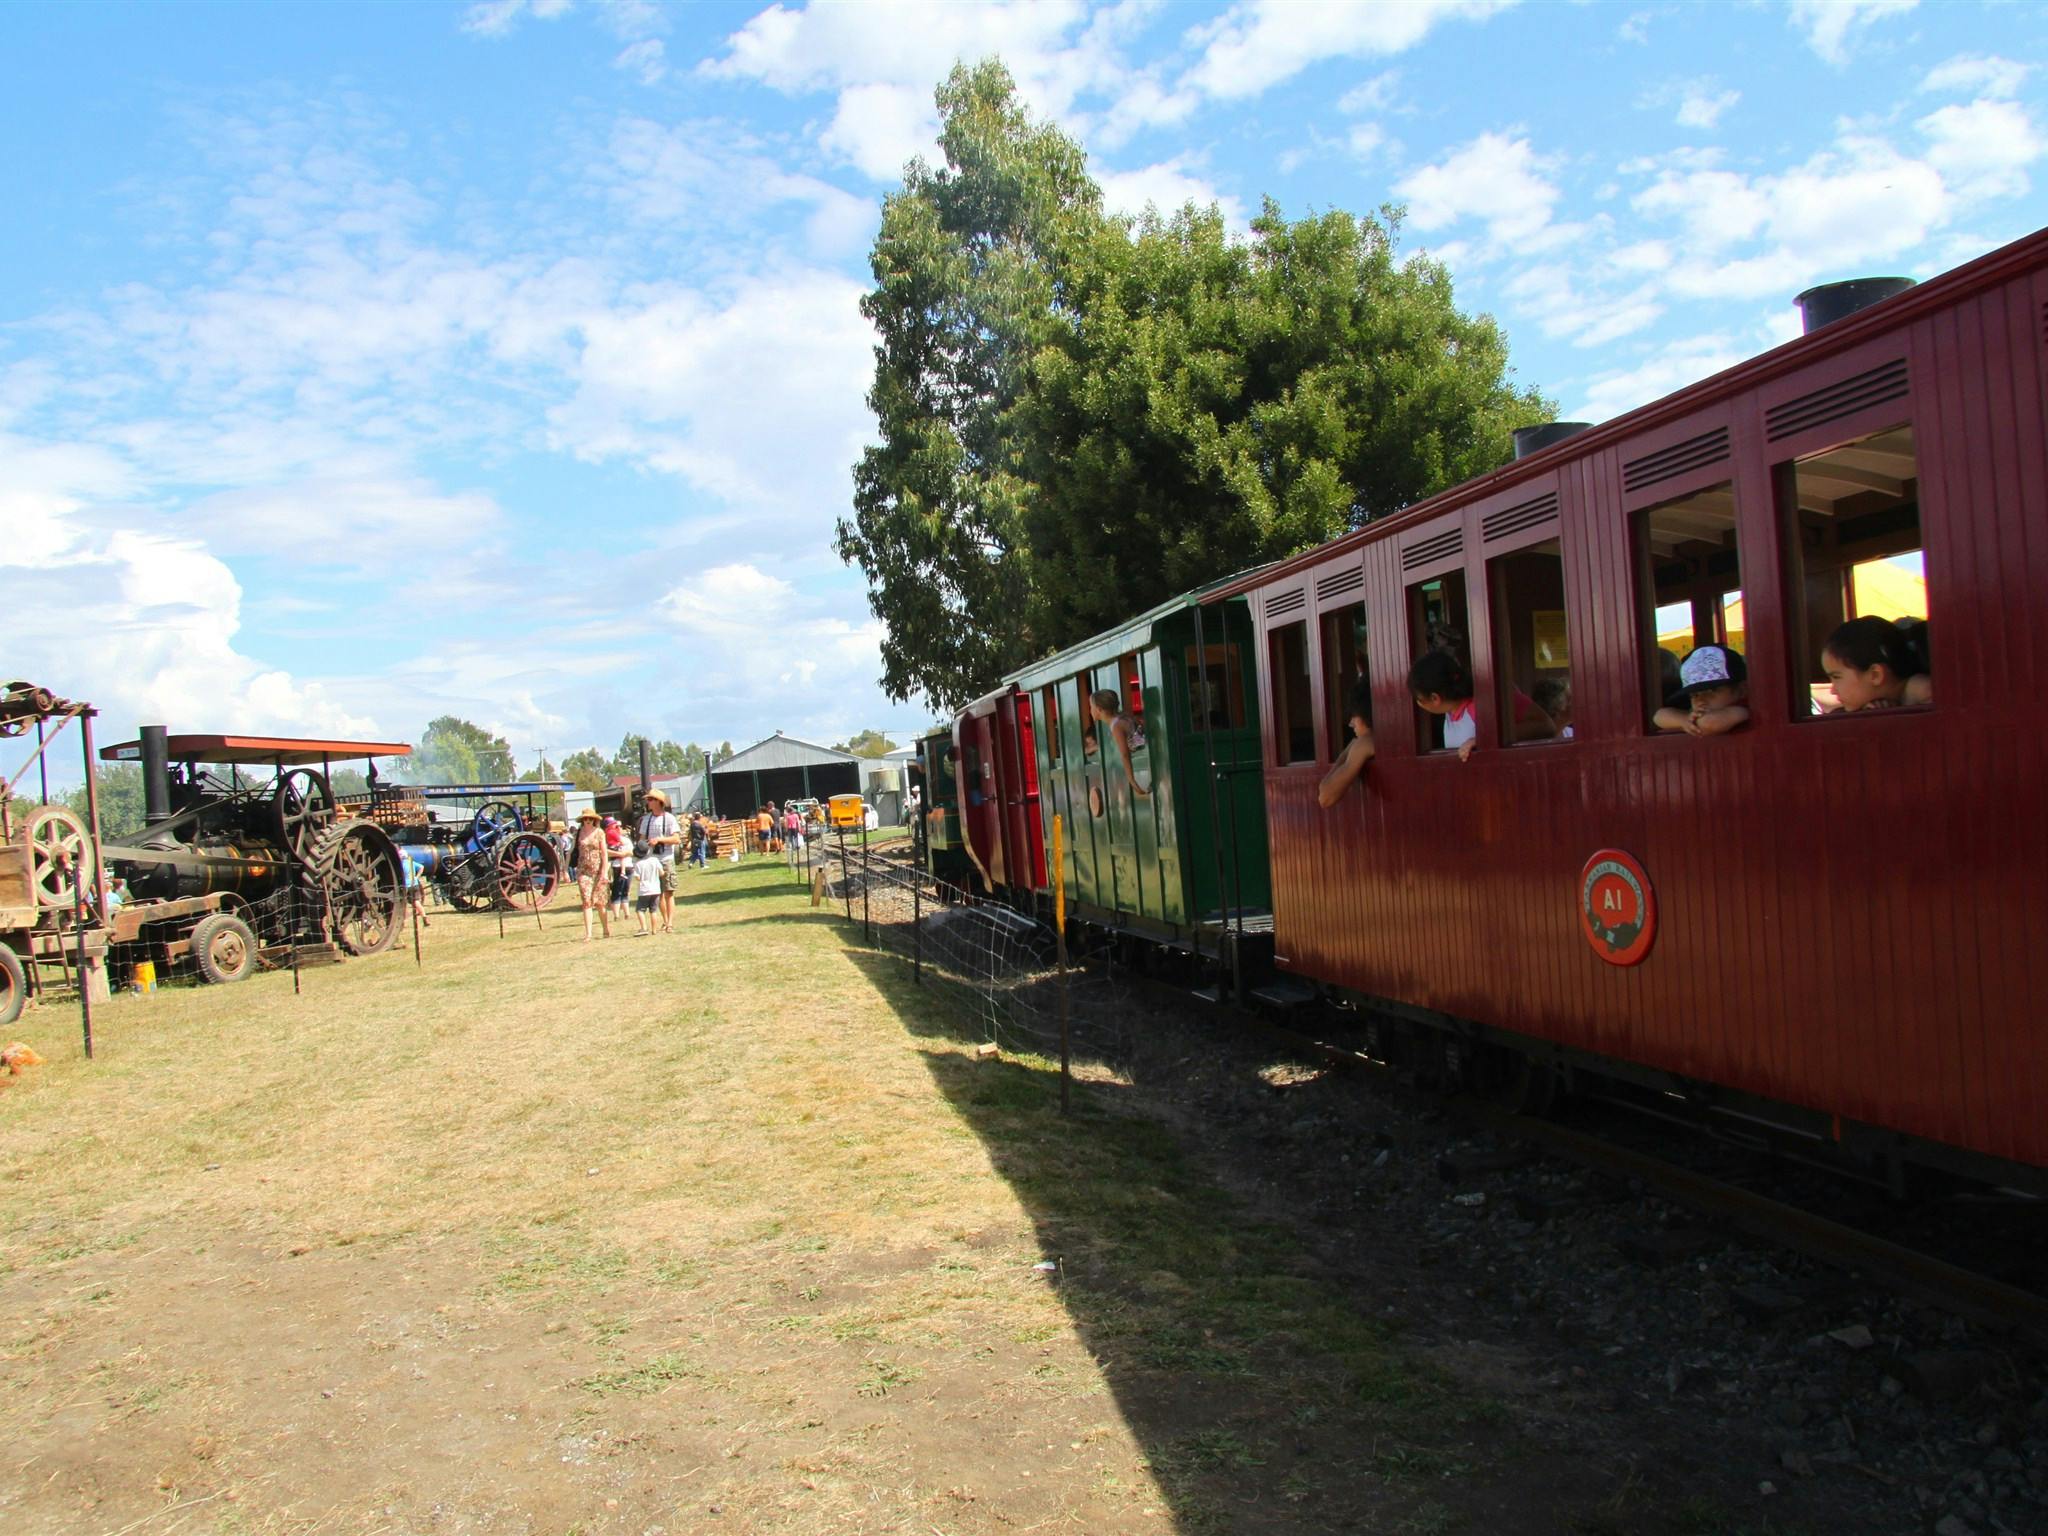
column 1713, row 693
column 662, row 834
column 593, row 871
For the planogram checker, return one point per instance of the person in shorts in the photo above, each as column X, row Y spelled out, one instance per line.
column 651, row 880
column 621, row 848
column 663, row 836
column 593, row 866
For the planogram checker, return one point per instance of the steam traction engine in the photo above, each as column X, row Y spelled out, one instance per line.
column 490, row 858
column 229, row 868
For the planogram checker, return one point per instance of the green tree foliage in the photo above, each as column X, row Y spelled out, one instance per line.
column 867, row 744
column 1222, row 403
column 669, row 760
column 454, row 751
column 119, row 786
column 968, row 268
column 1082, row 415
column 588, row 770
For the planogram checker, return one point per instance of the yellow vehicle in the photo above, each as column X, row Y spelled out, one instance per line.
column 847, row 811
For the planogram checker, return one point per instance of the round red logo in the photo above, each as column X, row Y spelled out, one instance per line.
column 1617, row 908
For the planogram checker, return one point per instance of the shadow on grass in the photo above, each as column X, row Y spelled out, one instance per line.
column 1266, row 1397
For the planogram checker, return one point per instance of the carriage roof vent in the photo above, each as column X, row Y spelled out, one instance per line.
column 1535, row 439
column 1838, row 301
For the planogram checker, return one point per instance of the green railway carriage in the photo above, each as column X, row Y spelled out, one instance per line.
column 1186, row 862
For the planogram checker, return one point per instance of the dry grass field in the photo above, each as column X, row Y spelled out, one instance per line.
column 719, row 1232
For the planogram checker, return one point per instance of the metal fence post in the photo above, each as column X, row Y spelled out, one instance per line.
column 845, row 880
column 917, row 924
column 867, row 928
column 78, row 922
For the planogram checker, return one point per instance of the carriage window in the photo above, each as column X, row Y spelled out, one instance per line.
column 1691, row 584
column 1052, row 726
column 1294, row 727
column 1437, row 621
column 1083, row 714
column 1853, row 551
column 1133, row 682
column 1532, row 652
column 1343, row 670
column 1215, row 688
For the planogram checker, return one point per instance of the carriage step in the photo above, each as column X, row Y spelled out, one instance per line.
column 1208, row 994
column 1284, row 994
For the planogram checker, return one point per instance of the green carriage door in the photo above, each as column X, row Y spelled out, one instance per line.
column 1130, row 821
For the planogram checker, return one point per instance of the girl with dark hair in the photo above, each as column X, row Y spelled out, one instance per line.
column 1442, row 686
column 1872, row 665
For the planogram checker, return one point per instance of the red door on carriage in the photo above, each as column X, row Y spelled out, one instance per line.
column 1023, row 826
column 976, row 734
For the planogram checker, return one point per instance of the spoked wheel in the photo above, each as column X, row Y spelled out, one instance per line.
column 60, row 856
column 357, row 866
column 223, row 948
column 302, row 804
column 13, row 986
column 495, row 820
column 529, row 871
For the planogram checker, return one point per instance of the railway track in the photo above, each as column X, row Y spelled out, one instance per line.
column 1978, row 1298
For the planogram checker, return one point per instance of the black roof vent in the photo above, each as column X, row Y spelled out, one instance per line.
column 1535, row 439
column 1838, row 301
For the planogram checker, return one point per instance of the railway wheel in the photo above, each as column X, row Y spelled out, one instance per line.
column 60, row 853
column 358, row 868
column 529, row 871
column 223, row 948
column 13, row 986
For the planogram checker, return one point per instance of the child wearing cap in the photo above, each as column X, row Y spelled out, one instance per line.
column 1713, row 693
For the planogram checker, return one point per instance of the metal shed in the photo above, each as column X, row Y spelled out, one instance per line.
column 781, row 768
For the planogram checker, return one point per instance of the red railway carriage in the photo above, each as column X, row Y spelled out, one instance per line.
column 998, row 776
column 1833, row 920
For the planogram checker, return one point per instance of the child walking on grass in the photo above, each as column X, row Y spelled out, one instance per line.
column 647, row 890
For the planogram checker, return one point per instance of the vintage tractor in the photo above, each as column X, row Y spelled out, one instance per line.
column 492, row 860
column 229, row 869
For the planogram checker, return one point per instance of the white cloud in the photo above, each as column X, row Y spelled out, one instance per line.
column 1987, row 75
column 1495, row 178
column 495, row 18
column 1636, row 29
column 1828, row 24
column 1982, row 150
column 378, row 513
column 1701, row 106
column 1374, row 95
column 757, row 400
column 1167, row 187
column 1671, row 368
column 1257, row 44
column 878, row 129
column 647, row 59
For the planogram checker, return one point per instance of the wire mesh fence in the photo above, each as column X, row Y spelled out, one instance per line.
column 998, row 969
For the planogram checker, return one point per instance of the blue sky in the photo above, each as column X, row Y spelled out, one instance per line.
column 364, row 363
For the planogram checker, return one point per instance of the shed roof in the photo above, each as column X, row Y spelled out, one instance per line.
column 780, row 751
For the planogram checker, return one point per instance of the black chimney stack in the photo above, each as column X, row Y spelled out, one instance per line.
column 646, row 767
column 156, row 774
column 1838, row 301
column 1530, row 440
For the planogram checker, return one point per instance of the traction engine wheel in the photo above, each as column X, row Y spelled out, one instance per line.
column 357, row 866
column 494, row 821
column 529, row 871
column 223, row 948
column 302, row 804
column 60, row 853
column 13, row 986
